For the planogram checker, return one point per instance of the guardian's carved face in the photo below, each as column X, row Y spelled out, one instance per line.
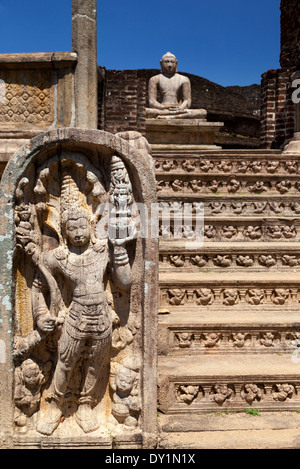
column 168, row 64
column 78, row 231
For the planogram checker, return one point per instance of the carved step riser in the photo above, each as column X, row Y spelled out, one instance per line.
column 207, row 296
column 184, row 340
column 228, row 394
column 247, row 262
column 227, row 184
column 215, row 207
column 243, row 165
column 231, row 230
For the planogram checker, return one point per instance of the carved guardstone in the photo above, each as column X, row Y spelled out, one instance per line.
column 78, row 293
column 170, row 122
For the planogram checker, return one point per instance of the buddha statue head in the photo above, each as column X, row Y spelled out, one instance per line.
column 168, row 64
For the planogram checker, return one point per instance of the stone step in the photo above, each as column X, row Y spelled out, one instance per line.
column 232, row 279
column 236, row 292
column 228, row 176
column 226, row 173
column 221, row 430
column 230, row 229
column 187, row 186
column 253, row 246
column 231, row 382
column 234, row 155
column 276, row 207
column 214, row 332
column 225, row 152
column 243, row 256
column 253, row 162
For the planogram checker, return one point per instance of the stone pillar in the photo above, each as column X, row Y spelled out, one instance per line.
column 84, row 43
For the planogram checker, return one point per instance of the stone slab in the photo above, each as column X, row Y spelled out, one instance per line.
column 220, row 430
column 249, row 366
column 42, row 60
column 249, row 439
column 175, row 147
column 182, row 132
column 230, row 279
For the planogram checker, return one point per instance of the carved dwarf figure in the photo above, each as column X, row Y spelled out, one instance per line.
column 221, row 392
column 29, row 380
column 175, row 90
column 205, row 296
column 187, row 393
column 230, row 297
column 284, row 391
column 211, row 340
column 82, row 262
column 126, row 403
column 251, row 392
column 184, row 339
column 176, row 296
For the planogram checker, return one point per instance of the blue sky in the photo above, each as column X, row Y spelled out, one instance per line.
column 229, row 42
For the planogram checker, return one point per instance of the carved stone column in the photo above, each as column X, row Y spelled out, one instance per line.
column 84, row 43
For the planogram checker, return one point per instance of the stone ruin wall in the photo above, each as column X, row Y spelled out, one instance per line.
column 122, row 100
column 123, row 97
column 277, row 108
column 36, row 95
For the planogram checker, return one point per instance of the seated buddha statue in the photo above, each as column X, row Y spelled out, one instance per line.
column 175, row 92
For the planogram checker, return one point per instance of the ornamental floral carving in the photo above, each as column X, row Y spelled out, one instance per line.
column 26, row 104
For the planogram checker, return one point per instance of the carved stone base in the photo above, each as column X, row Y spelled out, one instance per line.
column 228, row 383
column 220, row 430
column 97, row 441
column 182, row 133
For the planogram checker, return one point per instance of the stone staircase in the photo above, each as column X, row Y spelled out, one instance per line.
column 229, row 323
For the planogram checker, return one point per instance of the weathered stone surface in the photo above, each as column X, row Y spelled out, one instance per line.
column 228, row 312
column 171, row 121
column 36, row 94
column 175, row 92
column 182, row 133
column 221, row 430
column 62, row 311
column 84, row 43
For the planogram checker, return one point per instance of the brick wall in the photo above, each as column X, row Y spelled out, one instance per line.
column 277, row 108
column 123, row 97
column 290, row 34
column 122, row 101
